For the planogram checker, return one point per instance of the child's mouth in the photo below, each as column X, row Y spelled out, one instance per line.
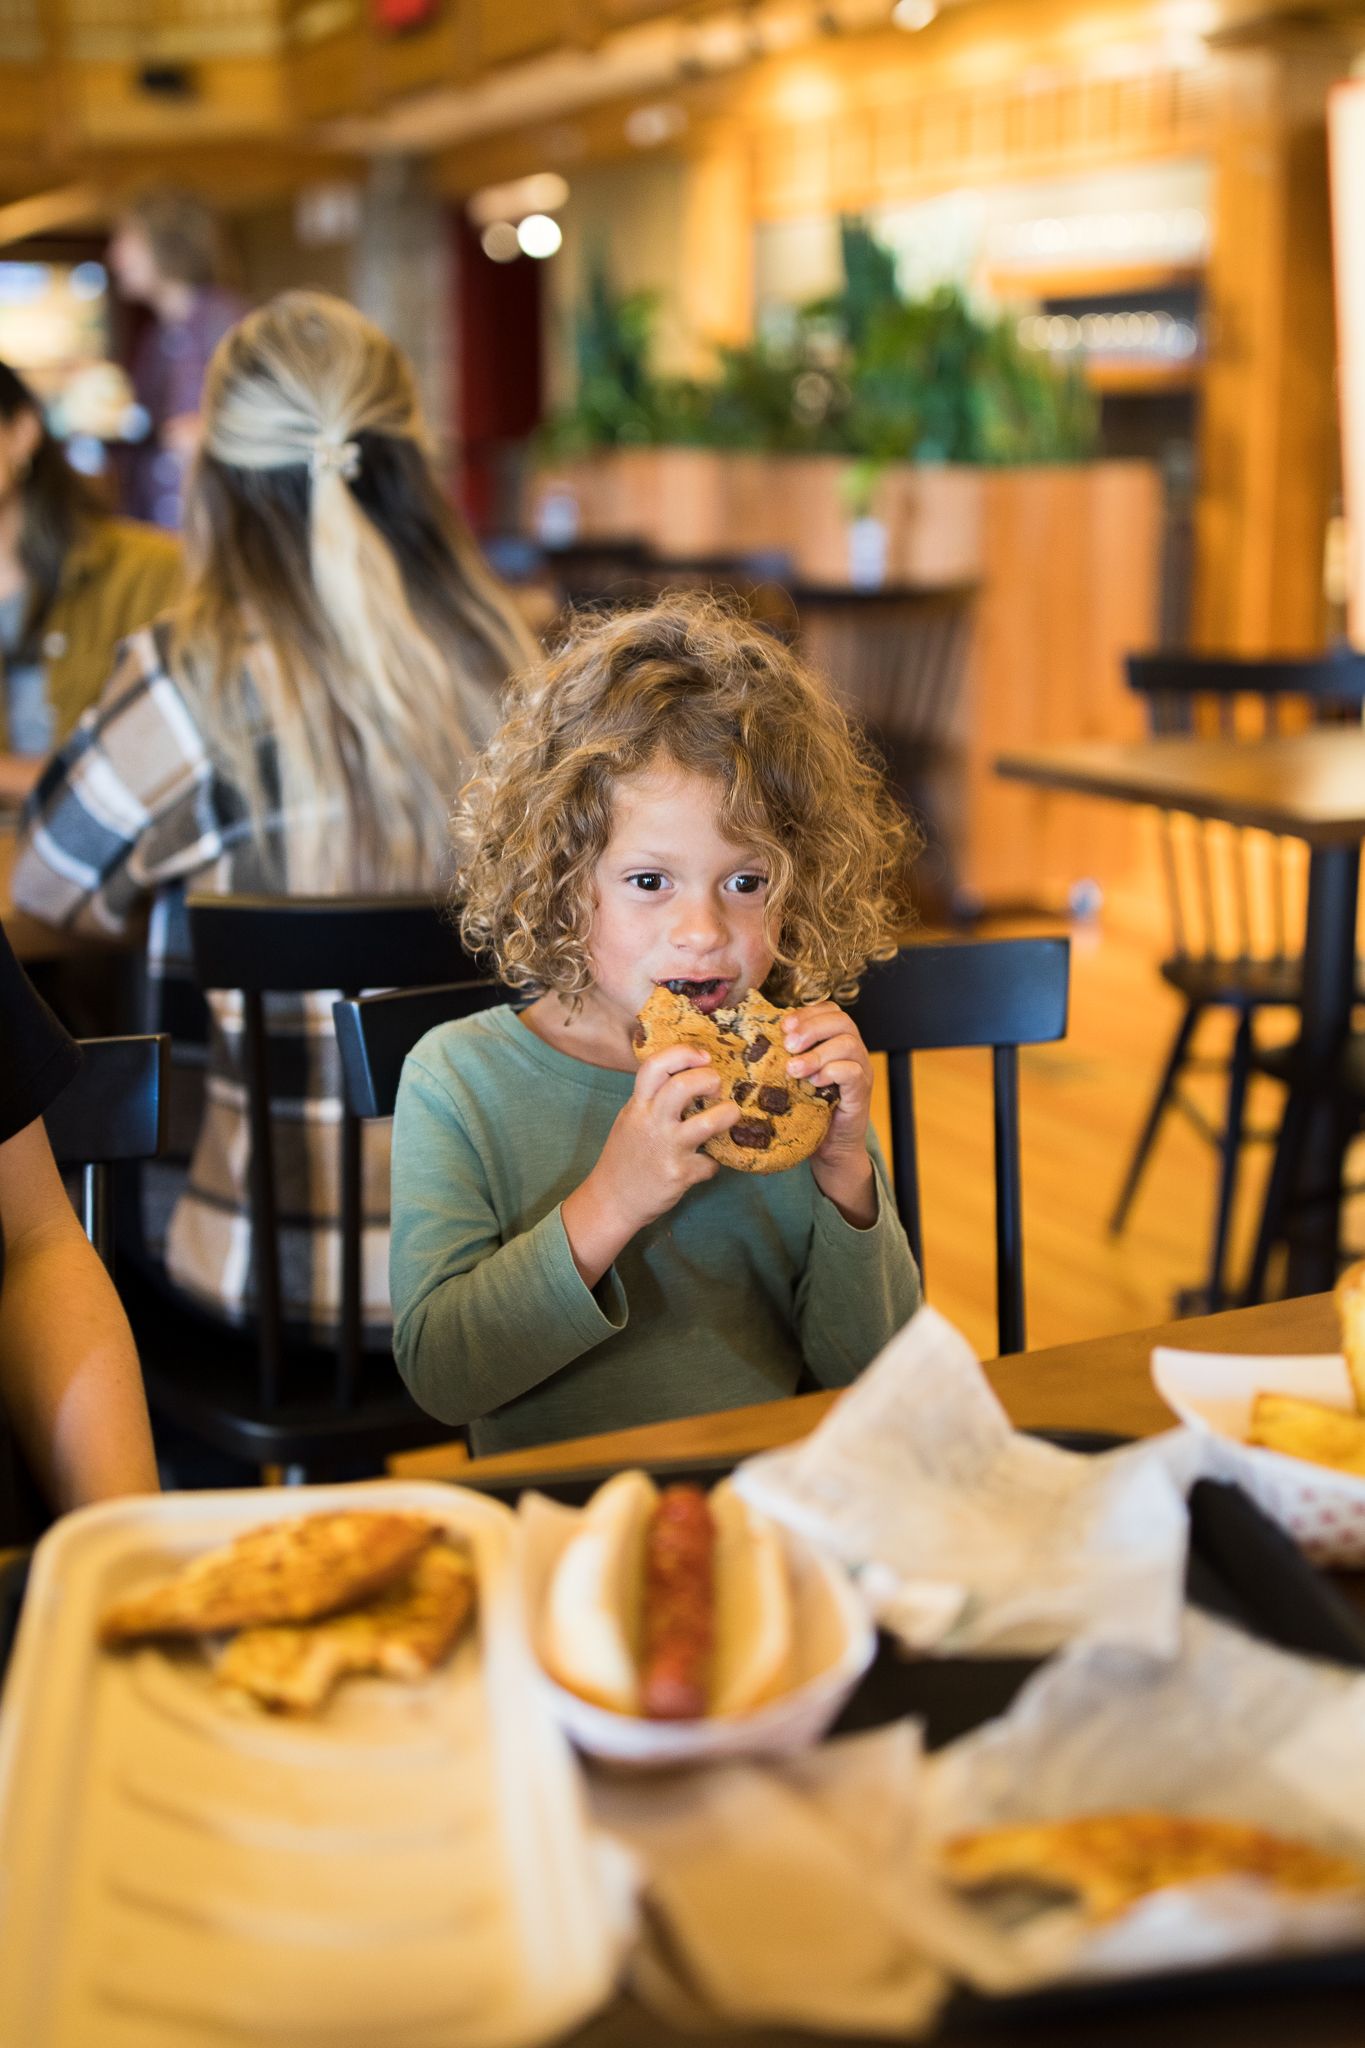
column 706, row 996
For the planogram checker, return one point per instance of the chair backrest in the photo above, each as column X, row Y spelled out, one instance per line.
column 996, row 993
column 1235, row 894
column 376, row 1034
column 268, row 945
column 113, row 1109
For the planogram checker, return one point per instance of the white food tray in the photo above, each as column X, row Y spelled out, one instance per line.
column 412, row 1869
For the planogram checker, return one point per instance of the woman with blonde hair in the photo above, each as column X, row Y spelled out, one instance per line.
column 300, row 723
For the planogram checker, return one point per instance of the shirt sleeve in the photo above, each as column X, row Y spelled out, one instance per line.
column 123, row 807
column 476, row 1320
column 859, row 1286
column 37, row 1057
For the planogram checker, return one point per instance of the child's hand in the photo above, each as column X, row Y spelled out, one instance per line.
column 827, row 1048
column 651, row 1158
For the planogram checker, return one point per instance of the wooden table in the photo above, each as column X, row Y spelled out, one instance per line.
column 1104, row 1383
column 1101, row 1384
column 1309, row 786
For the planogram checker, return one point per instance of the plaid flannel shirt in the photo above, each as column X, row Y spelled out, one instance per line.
column 130, row 811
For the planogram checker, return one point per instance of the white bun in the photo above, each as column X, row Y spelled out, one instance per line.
column 752, row 1661
column 591, row 1627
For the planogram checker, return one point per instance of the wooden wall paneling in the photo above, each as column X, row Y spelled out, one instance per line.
column 25, row 126
column 331, row 76
column 30, row 93
column 716, row 268
column 1069, row 585
column 893, row 134
column 529, row 28
column 1309, row 475
column 1267, row 464
column 444, row 53
column 1348, row 207
column 850, row 163
column 235, row 96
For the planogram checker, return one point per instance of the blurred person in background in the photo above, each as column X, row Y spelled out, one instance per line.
column 73, row 583
column 166, row 254
column 70, row 1387
column 301, row 723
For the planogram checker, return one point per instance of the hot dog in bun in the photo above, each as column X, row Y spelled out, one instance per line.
column 671, row 1605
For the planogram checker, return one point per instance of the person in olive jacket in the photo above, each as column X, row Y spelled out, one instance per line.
column 74, row 582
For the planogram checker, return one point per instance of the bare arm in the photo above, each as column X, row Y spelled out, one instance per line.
column 69, row 1373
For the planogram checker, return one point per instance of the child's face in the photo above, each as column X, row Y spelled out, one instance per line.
column 676, row 901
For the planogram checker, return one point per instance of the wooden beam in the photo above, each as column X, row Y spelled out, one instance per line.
column 79, row 205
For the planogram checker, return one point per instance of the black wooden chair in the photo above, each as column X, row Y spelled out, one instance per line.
column 273, row 1395
column 376, row 1034
column 996, row 993
column 1001, row 993
column 1231, row 895
column 113, row 1110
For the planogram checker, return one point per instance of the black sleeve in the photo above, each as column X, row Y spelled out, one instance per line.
column 37, row 1057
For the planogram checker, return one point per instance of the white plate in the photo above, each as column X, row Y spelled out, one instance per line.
column 835, row 1642
column 410, row 1869
column 1323, row 1510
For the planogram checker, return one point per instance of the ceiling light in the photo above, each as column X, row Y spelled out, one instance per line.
column 914, row 13
column 499, row 242
column 539, row 235
column 647, row 127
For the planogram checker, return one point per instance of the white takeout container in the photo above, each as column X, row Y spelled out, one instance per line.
column 1323, row 1510
column 835, row 1641
column 410, row 1869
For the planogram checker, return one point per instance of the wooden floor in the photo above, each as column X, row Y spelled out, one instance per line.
column 1082, row 1104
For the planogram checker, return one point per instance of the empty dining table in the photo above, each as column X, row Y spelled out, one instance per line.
column 1308, row 786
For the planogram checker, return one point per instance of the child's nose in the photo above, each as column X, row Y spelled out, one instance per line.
column 698, row 923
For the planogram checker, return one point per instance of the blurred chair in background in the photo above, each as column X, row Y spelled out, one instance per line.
column 1235, row 898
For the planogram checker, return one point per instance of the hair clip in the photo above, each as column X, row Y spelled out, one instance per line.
column 343, row 457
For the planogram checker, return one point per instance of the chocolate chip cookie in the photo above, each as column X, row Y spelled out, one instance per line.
column 784, row 1118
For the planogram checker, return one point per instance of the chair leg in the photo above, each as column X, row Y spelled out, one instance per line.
column 1160, row 1102
column 1283, row 1173
column 1229, row 1154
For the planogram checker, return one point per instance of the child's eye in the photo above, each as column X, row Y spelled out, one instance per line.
column 649, row 881
column 748, row 885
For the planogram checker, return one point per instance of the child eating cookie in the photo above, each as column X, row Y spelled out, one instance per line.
column 673, row 802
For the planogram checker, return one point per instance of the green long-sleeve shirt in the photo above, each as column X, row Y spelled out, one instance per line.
column 716, row 1304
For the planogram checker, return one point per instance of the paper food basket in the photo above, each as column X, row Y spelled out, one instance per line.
column 1323, row 1510
column 834, row 1641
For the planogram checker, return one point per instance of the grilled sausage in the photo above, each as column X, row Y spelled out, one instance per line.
column 679, row 1606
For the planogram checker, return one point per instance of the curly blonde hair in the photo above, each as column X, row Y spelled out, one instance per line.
column 697, row 682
